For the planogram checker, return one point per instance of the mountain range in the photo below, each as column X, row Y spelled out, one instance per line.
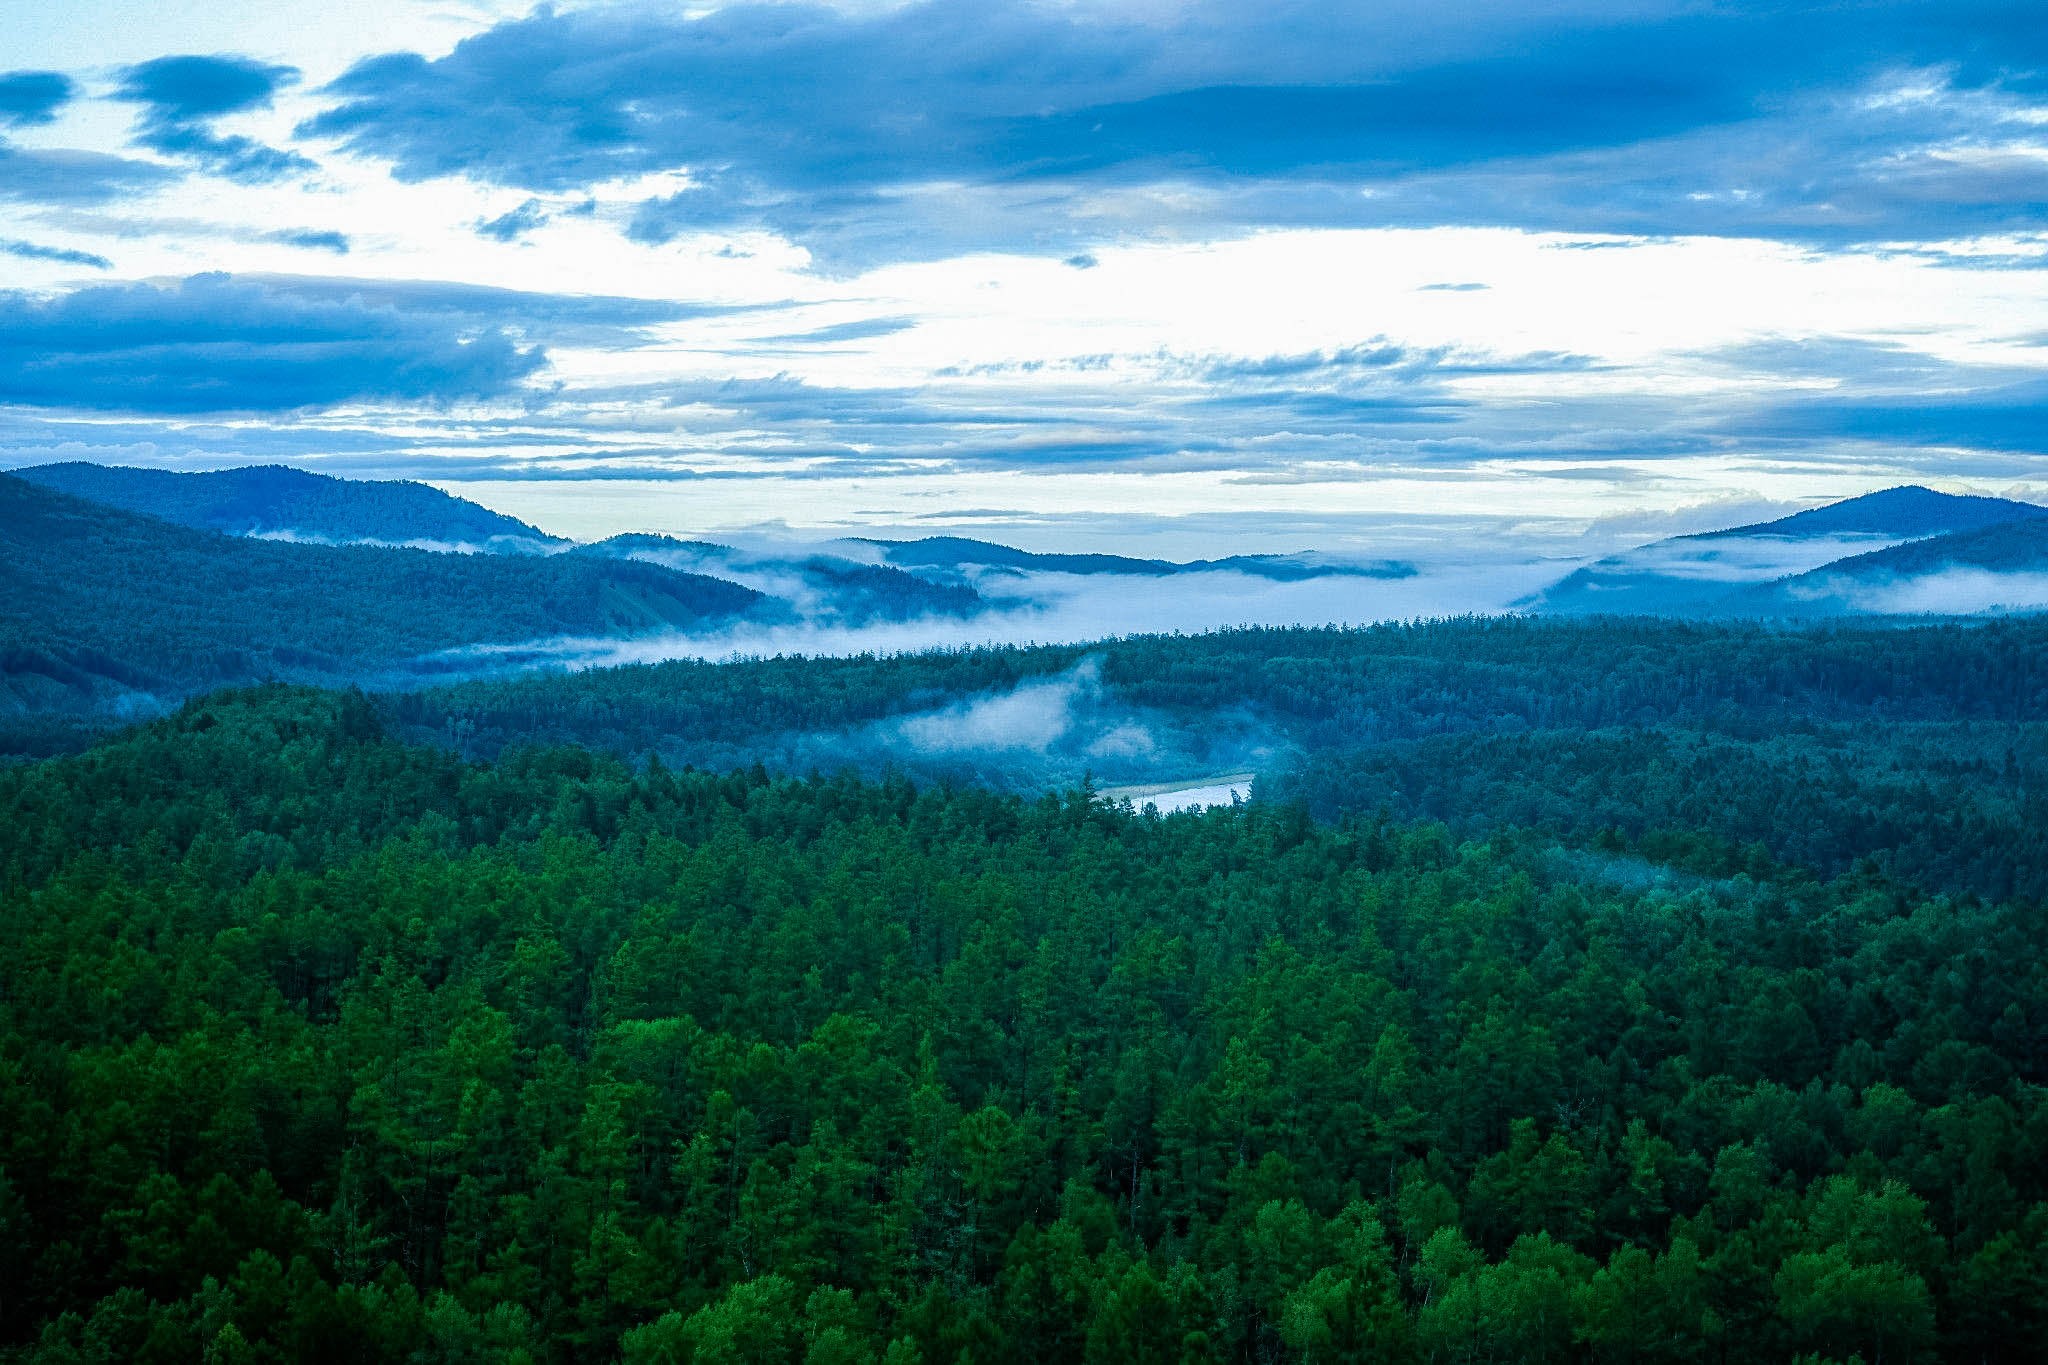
column 124, row 590
column 960, row 554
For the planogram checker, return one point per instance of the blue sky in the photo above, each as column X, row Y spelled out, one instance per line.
column 1070, row 270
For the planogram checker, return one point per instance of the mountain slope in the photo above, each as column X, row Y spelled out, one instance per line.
column 98, row 604
column 822, row 589
column 1905, row 513
column 1998, row 567
column 272, row 500
column 1714, row 572
column 956, row 553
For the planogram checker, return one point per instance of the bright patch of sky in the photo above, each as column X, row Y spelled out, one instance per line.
column 1057, row 274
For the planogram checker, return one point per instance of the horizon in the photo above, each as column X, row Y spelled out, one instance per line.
column 609, row 522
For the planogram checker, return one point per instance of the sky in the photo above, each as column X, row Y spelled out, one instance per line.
column 1201, row 276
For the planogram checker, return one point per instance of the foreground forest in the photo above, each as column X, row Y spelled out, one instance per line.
column 319, row 1045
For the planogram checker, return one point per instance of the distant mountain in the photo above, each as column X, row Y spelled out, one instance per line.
column 956, row 552
column 2003, row 566
column 1714, row 572
column 961, row 552
column 103, row 608
column 1686, row 576
column 278, row 502
column 820, row 589
column 1296, row 568
column 1909, row 512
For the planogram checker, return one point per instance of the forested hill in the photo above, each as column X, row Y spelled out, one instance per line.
column 825, row 589
column 103, row 608
column 277, row 501
column 1323, row 684
column 1779, row 569
column 1922, row 747
column 960, row 552
column 1998, row 566
column 316, row 1047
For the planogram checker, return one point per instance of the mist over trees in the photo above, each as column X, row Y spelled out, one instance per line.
column 1919, row 748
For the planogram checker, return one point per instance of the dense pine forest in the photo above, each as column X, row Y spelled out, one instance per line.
column 320, row 1044
column 1920, row 748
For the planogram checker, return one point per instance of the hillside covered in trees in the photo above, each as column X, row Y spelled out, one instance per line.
column 1891, row 552
column 1921, row 748
column 105, row 612
column 274, row 500
column 318, row 1046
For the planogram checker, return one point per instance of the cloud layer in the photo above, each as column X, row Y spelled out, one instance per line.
column 931, row 124
column 182, row 96
column 31, row 97
column 215, row 344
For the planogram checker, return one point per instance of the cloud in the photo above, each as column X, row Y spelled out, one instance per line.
column 1034, row 716
column 132, row 226
column 213, row 343
column 1373, row 409
column 182, row 96
column 1883, row 162
column 2003, row 417
column 1888, row 394
column 30, row 251
column 792, row 94
column 1377, row 355
column 66, row 177
column 560, row 319
column 194, row 89
column 220, row 343
column 876, row 133
column 313, row 239
column 515, row 223
column 32, row 97
column 860, row 329
column 1060, row 608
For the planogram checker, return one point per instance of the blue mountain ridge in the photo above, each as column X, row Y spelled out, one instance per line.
column 1722, row 572
column 275, row 500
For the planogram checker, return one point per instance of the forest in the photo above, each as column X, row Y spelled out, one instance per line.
column 106, row 614
column 281, row 501
column 320, row 1043
column 1919, row 749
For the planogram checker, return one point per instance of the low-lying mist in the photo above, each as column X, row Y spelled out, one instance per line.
column 1060, row 608
column 1062, row 728
column 1954, row 591
column 1041, row 733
